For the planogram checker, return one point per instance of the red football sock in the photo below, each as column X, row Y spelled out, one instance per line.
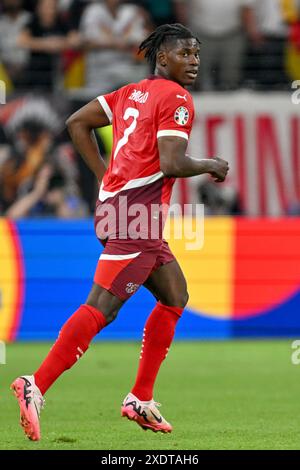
column 158, row 334
column 73, row 340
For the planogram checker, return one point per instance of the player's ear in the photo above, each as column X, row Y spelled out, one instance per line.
column 162, row 58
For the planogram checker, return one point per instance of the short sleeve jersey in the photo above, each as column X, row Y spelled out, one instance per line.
column 140, row 114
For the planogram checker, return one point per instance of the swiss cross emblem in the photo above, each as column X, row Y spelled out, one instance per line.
column 181, row 115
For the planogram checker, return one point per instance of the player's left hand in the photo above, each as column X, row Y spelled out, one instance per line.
column 221, row 169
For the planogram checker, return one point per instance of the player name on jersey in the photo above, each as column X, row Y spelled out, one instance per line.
column 139, row 96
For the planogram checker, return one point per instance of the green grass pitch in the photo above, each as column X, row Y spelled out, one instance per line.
column 217, row 395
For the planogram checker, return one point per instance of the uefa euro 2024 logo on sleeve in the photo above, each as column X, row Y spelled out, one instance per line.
column 181, row 115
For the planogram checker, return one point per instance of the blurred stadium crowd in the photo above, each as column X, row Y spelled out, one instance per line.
column 55, row 55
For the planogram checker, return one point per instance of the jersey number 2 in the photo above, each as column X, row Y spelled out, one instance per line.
column 129, row 112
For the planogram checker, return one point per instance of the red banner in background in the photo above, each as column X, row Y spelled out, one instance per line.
column 259, row 134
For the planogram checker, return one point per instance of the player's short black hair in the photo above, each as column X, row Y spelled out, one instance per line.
column 160, row 36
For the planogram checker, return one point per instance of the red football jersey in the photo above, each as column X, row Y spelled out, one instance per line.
column 141, row 113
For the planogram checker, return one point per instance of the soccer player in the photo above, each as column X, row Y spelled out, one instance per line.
column 152, row 121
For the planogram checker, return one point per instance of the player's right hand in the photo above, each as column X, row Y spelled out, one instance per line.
column 220, row 169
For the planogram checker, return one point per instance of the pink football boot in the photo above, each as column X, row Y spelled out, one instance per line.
column 31, row 402
column 145, row 413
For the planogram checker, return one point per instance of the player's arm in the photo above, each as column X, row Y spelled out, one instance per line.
column 81, row 127
column 175, row 163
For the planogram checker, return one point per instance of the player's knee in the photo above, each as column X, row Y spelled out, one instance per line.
column 102, row 300
column 183, row 299
column 111, row 316
column 178, row 299
column 110, row 313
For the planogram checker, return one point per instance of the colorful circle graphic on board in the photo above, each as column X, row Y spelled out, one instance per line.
column 246, row 268
column 11, row 280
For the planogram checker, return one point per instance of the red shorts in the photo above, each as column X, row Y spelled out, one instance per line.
column 125, row 265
